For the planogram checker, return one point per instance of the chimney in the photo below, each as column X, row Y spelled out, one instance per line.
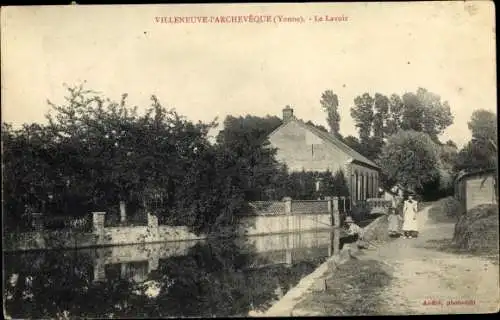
column 287, row 114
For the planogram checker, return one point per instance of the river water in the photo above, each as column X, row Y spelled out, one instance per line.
column 177, row 279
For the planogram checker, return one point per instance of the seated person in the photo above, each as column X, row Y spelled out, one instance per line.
column 354, row 233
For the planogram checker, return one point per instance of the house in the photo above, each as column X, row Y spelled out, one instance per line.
column 476, row 188
column 304, row 147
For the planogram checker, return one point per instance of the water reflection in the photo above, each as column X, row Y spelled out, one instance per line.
column 213, row 278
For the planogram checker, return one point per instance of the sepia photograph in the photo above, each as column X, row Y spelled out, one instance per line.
column 249, row 160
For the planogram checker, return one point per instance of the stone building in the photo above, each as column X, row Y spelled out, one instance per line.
column 304, row 147
column 476, row 188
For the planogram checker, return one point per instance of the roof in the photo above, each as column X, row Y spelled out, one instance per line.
column 468, row 174
column 355, row 156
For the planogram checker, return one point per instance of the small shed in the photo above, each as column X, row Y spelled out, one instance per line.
column 476, row 188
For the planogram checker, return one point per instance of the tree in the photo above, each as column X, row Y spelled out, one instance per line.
column 471, row 158
column 319, row 127
column 411, row 159
column 340, row 187
column 98, row 151
column 330, row 103
column 32, row 172
column 244, row 139
column 378, row 117
column 451, row 143
column 249, row 127
column 481, row 151
column 99, row 136
column 381, row 116
column 363, row 113
column 394, row 120
column 353, row 143
column 483, row 125
column 424, row 112
column 371, row 116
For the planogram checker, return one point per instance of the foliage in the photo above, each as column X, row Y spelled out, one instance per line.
column 483, row 125
column 27, row 155
column 303, row 185
column 244, row 141
column 410, row 158
column 471, row 157
column 446, row 210
column 354, row 144
column 250, row 129
column 330, row 103
column 95, row 152
column 451, row 144
column 481, row 152
column 447, row 155
column 425, row 112
column 339, row 185
column 379, row 117
column 451, row 207
column 317, row 126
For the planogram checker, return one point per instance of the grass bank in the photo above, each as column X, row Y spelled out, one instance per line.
column 353, row 289
column 477, row 230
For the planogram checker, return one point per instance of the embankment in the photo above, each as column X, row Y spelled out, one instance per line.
column 261, row 218
column 153, row 233
column 375, row 232
column 477, row 230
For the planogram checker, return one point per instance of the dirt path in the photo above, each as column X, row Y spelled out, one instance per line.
column 430, row 281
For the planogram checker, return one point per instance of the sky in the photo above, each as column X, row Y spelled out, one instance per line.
column 208, row 70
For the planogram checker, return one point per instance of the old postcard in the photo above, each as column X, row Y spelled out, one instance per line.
column 249, row 160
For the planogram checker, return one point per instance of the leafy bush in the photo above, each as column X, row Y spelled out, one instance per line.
column 95, row 152
column 410, row 158
column 446, row 210
column 452, row 207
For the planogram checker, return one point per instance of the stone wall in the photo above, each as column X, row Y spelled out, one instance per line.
column 310, row 206
column 289, row 206
column 260, row 225
column 296, row 217
column 41, row 239
column 479, row 190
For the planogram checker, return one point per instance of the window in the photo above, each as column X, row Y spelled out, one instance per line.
column 356, row 194
column 372, row 186
column 367, row 186
column 362, row 193
column 353, row 187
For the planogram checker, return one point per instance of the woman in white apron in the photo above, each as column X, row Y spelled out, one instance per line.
column 410, row 224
